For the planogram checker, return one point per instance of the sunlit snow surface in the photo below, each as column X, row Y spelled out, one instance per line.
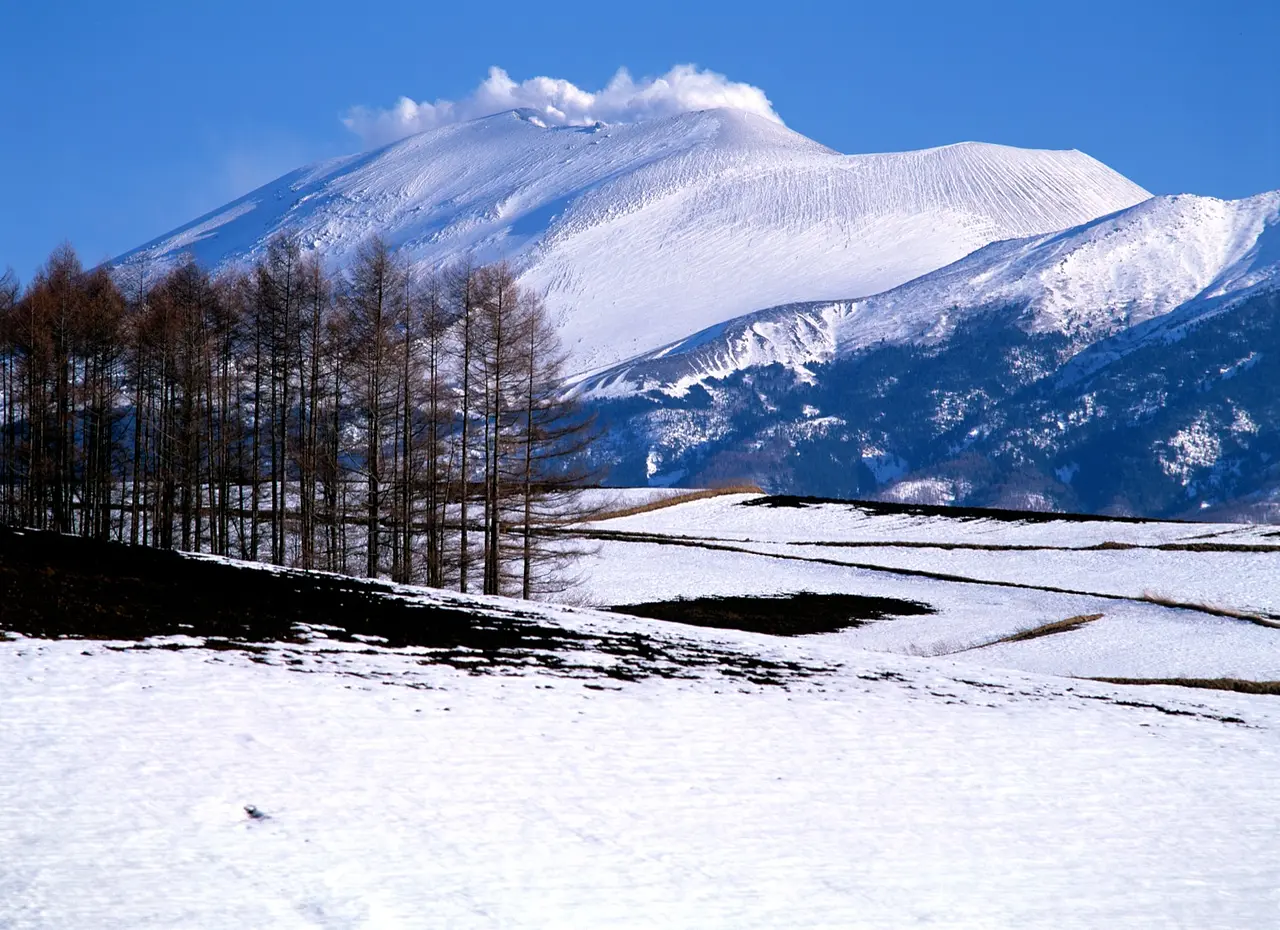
column 641, row 234
column 876, row 789
column 987, row 579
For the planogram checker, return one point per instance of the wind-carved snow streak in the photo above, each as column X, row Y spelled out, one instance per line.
column 640, row 234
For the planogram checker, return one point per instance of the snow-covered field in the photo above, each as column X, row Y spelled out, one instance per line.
column 923, row 792
column 986, row 579
column 844, row 785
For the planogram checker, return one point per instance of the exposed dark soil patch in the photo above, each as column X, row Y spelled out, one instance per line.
column 1167, row 711
column 938, row 510
column 780, row 615
column 54, row 587
column 62, row 586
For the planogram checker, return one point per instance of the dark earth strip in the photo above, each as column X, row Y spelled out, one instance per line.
column 1240, row 685
column 946, row 510
column 780, row 615
column 54, row 586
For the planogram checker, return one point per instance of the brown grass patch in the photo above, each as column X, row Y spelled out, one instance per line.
column 674, row 499
column 1242, row 685
column 1035, row 632
column 1216, row 610
column 1048, row 629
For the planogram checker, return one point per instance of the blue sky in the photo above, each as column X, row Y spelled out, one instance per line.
column 122, row 121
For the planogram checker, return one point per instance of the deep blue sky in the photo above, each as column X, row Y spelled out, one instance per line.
column 123, row 120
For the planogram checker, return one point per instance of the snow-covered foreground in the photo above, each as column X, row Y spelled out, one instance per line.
column 636, row 773
column 891, row 791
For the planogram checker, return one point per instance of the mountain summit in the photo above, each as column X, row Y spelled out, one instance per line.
column 642, row 233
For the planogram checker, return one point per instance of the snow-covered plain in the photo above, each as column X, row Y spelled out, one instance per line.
column 643, row 233
column 850, row 786
column 890, row 792
column 986, row 579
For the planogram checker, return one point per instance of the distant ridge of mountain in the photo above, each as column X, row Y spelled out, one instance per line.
column 1127, row 365
column 1087, row 283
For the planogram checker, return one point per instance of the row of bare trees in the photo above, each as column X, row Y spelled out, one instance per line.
column 381, row 422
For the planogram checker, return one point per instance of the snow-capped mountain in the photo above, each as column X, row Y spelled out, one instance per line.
column 642, row 233
column 1086, row 283
column 973, row 323
column 1126, row 364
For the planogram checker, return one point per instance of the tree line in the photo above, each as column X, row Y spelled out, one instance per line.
column 376, row 422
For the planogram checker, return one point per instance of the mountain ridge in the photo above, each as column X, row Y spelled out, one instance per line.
column 1089, row 282
column 640, row 233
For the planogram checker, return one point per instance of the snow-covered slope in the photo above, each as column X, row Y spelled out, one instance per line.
column 895, row 792
column 699, row 777
column 1126, row 365
column 1088, row 283
column 1092, row 281
column 1165, row 591
column 642, row 233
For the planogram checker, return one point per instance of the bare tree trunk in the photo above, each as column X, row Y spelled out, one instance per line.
column 463, row 461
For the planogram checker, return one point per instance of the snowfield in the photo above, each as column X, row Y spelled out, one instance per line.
column 920, row 793
column 842, row 783
column 986, row 578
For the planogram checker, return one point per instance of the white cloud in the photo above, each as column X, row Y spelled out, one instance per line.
column 562, row 103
